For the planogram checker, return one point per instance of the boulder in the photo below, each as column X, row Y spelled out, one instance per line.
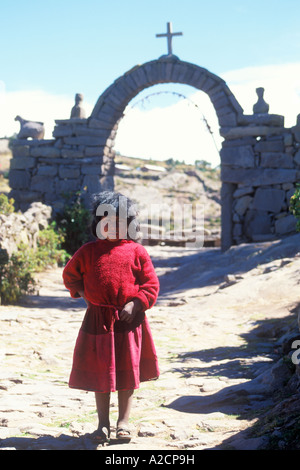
column 242, row 204
column 269, row 199
column 257, row 223
column 285, row 225
column 276, row 160
column 19, row 179
column 242, row 156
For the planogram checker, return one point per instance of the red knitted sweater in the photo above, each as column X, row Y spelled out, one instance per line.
column 112, row 272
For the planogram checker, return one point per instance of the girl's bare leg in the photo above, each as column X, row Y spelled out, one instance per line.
column 125, row 402
column 102, row 404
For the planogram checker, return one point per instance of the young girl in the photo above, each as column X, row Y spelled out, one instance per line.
column 114, row 350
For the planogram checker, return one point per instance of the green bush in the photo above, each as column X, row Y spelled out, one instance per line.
column 49, row 248
column 17, row 271
column 295, row 206
column 74, row 222
column 6, row 205
column 55, row 245
column 15, row 278
column 47, row 253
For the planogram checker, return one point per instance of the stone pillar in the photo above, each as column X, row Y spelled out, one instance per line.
column 259, row 157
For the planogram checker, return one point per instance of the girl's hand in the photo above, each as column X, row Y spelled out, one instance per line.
column 130, row 310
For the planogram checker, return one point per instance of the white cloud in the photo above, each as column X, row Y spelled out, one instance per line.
column 177, row 132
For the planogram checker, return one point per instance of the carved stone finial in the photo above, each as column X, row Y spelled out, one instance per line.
column 77, row 111
column 30, row 129
column 260, row 107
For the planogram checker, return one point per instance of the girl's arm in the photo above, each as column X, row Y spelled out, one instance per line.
column 148, row 281
column 73, row 275
column 148, row 288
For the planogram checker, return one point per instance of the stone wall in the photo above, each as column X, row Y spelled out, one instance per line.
column 260, row 166
column 77, row 159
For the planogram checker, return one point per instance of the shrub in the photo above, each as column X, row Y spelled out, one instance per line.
column 55, row 244
column 74, row 222
column 6, row 205
column 295, row 206
column 16, row 271
column 15, row 278
column 49, row 248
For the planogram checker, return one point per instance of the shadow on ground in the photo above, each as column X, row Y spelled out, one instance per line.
column 55, row 302
column 209, row 266
column 61, row 442
column 260, row 390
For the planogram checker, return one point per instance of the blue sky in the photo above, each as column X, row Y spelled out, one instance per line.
column 54, row 49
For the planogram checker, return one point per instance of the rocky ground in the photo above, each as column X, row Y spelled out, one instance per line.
column 180, row 184
column 218, row 327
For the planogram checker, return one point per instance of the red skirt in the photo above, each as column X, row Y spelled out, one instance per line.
column 111, row 354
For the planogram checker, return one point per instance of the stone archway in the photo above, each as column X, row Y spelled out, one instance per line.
column 260, row 158
column 111, row 104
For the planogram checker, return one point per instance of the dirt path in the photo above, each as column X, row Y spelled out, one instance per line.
column 214, row 331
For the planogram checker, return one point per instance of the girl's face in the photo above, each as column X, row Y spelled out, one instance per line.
column 113, row 228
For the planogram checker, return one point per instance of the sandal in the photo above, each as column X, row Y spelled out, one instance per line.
column 101, row 435
column 123, row 434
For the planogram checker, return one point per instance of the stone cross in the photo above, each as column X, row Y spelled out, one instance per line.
column 169, row 35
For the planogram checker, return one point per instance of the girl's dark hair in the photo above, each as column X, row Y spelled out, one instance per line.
column 120, row 204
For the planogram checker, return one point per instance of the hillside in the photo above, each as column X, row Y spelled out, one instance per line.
column 178, row 184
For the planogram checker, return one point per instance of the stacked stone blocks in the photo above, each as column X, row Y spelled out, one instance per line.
column 45, row 170
column 260, row 162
